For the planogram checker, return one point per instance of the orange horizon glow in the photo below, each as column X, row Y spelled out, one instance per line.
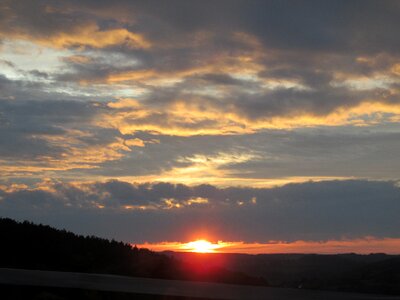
column 200, row 246
column 364, row 245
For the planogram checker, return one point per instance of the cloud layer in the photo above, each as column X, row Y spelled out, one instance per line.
column 267, row 65
column 236, row 105
column 157, row 212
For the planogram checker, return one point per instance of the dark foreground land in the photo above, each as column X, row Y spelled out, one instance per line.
column 99, row 286
column 37, row 247
column 373, row 273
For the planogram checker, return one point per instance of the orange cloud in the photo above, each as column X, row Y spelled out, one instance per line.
column 194, row 117
column 13, row 187
column 85, row 35
column 363, row 246
column 134, row 143
column 76, row 155
column 244, row 66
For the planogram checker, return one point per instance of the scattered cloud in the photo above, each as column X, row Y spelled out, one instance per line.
column 247, row 96
column 305, row 211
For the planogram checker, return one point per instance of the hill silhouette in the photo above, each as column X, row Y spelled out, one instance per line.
column 29, row 246
column 373, row 273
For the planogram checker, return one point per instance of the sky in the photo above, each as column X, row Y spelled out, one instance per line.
column 270, row 126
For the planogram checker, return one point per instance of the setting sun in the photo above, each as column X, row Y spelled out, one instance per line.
column 201, row 246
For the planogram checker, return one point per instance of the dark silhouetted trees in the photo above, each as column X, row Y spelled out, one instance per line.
column 29, row 246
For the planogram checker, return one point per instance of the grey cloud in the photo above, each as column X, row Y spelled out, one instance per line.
column 23, row 89
column 362, row 26
column 316, row 40
column 7, row 63
column 37, row 19
column 39, row 74
column 23, row 122
column 323, row 152
column 286, row 102
column 307, row 42
column 318, row 26
column 221, row 79
column 338, row 152
column 55, row 136
column 97, row 65
column 308, row 211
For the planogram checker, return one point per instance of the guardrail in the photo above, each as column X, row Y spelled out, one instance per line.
column 115, row 283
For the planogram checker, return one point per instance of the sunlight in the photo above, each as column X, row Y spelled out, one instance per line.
column 363, row 245
column 200, row 246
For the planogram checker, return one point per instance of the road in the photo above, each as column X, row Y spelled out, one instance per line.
column 106, row 282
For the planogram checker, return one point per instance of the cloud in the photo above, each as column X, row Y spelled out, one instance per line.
column 46, row 24
column 88, row 36
column 155, row 212
column 256, row 94
column 365, row 245
column 341, row 25
column 249, row 114
column 77, row 139
column 48, row 136
column 291, row 66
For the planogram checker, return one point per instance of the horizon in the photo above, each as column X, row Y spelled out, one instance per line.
column 360, row 247
column 243, row 126
column 367, row 246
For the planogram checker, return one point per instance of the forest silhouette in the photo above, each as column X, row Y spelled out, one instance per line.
column 29, row 246
column 26, row 245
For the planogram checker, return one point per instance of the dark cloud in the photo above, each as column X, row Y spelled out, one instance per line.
column 341, row 152
column 306, row 42
column 222, row 79
column 323, row 152
column 309, row 211
column 286, row 102
column 210, row 80
column 42, row 137
column 361, row 26
column 25, row 124
column 24, row 89
column 39, row 74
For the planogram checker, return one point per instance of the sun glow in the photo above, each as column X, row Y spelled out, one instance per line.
column 200, row 246
column 364, row 245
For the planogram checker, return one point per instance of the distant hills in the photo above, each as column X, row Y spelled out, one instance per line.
column 375, row 273
column 30, row 246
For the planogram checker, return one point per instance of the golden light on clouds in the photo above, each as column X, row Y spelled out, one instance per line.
column 85, row 35
column 75, row 155
column 201, row 168
column 174, row 118
column 182, row 118
column 364, row 245
column 243, row 67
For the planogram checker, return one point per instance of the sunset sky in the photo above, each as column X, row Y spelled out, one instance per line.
column 269, row 126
